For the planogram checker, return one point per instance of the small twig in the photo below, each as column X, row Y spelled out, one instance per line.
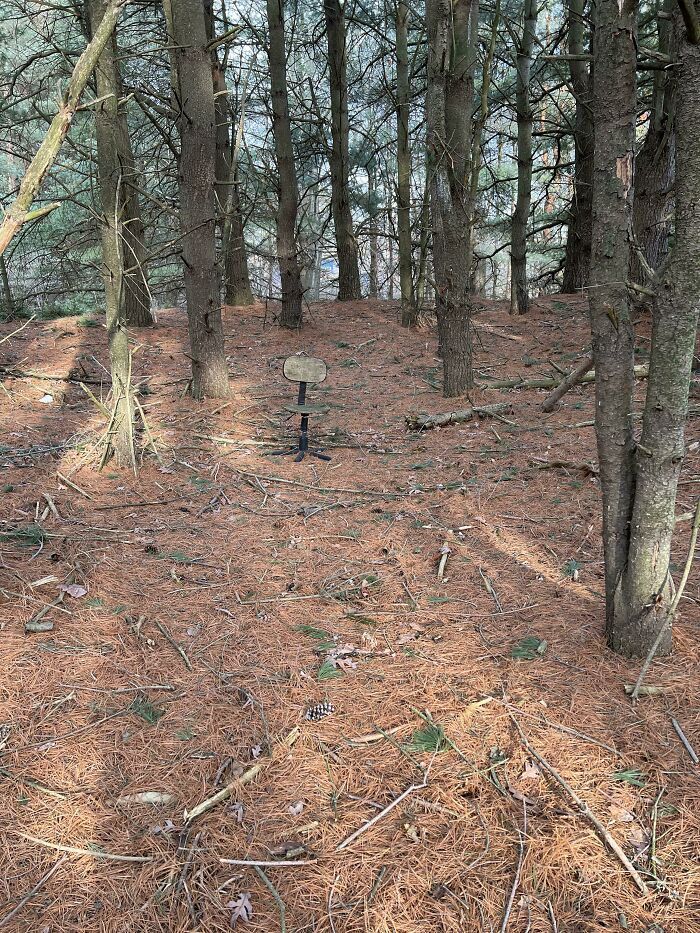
column 584, row 810
column 522, row 836
column 245, row 778
column 686, row 744
column 54, row 740
column 7, row 337
column 257, row 863
column 375, row 819
column 37, row 887
column 69, row 482
column 171, row 641
column 95, row 853
column 674, row 603
column 275, row 893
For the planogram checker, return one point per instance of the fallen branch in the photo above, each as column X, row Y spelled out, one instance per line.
column 426, row 422
column 549, row 382
column 245, row 778
column 583, row 809
column 588, row 468
column 574, row 378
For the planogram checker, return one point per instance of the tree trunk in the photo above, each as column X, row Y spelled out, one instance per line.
column 373, row 232
column 196, row 175
column 519, row 300
column 654, row 170
column 110, row 124
column 233, row 263
column 423, row 245
column 339, row 156
column 577, row 262
column 18, row 213
column 409, row 312
column 452, row 37
column 112, row 130
column 615, row 82
column 236, row 273
column 479, row 126
column 643, row 597
column 287, row 247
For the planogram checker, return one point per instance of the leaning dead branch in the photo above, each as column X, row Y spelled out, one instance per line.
column 573, row 379
column 426, row 422
column 18, row 213
column 583, row 809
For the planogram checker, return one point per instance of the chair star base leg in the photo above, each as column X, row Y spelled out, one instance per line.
column 298, row 453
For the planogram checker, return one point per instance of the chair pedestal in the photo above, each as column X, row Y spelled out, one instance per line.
column 302, row 448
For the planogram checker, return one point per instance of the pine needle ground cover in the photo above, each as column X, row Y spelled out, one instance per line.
column 434, row 598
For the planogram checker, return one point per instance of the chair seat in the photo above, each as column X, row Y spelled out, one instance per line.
column 297, row 409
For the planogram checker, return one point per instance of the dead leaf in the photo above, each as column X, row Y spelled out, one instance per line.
column 531, row 772
column 236, row 809
column 241, row 909
column 256, row 751
column 73, row 589
column 412, row 832
column 167, row 827
column 621, row 814
column 289, row 849
column 296, row 808
column 152, row 797
column 194, row 630
column 639, row 839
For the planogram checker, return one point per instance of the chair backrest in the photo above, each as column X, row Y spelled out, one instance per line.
column 304, row 369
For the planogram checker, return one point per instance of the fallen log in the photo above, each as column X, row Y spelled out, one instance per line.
column 424, row 422
column 574, row 378
column 549, row 382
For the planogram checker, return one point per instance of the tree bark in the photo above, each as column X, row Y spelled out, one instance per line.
column 196, row 175
column 519, row 299
column 409, row 312
column 577, row 262
column 643, row 598
column 615, row 82
column 339, row 156
column 287, row 246
column 452, row 37
column 18, row 213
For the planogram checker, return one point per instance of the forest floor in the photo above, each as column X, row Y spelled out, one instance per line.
column 210, row 601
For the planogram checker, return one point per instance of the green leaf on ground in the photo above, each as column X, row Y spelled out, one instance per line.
column 631, row 776
column 528, row 648
column 143, row 707
column 431, row 738
column 328, row 671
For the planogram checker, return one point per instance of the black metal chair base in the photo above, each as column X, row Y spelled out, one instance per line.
column 300, row 453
